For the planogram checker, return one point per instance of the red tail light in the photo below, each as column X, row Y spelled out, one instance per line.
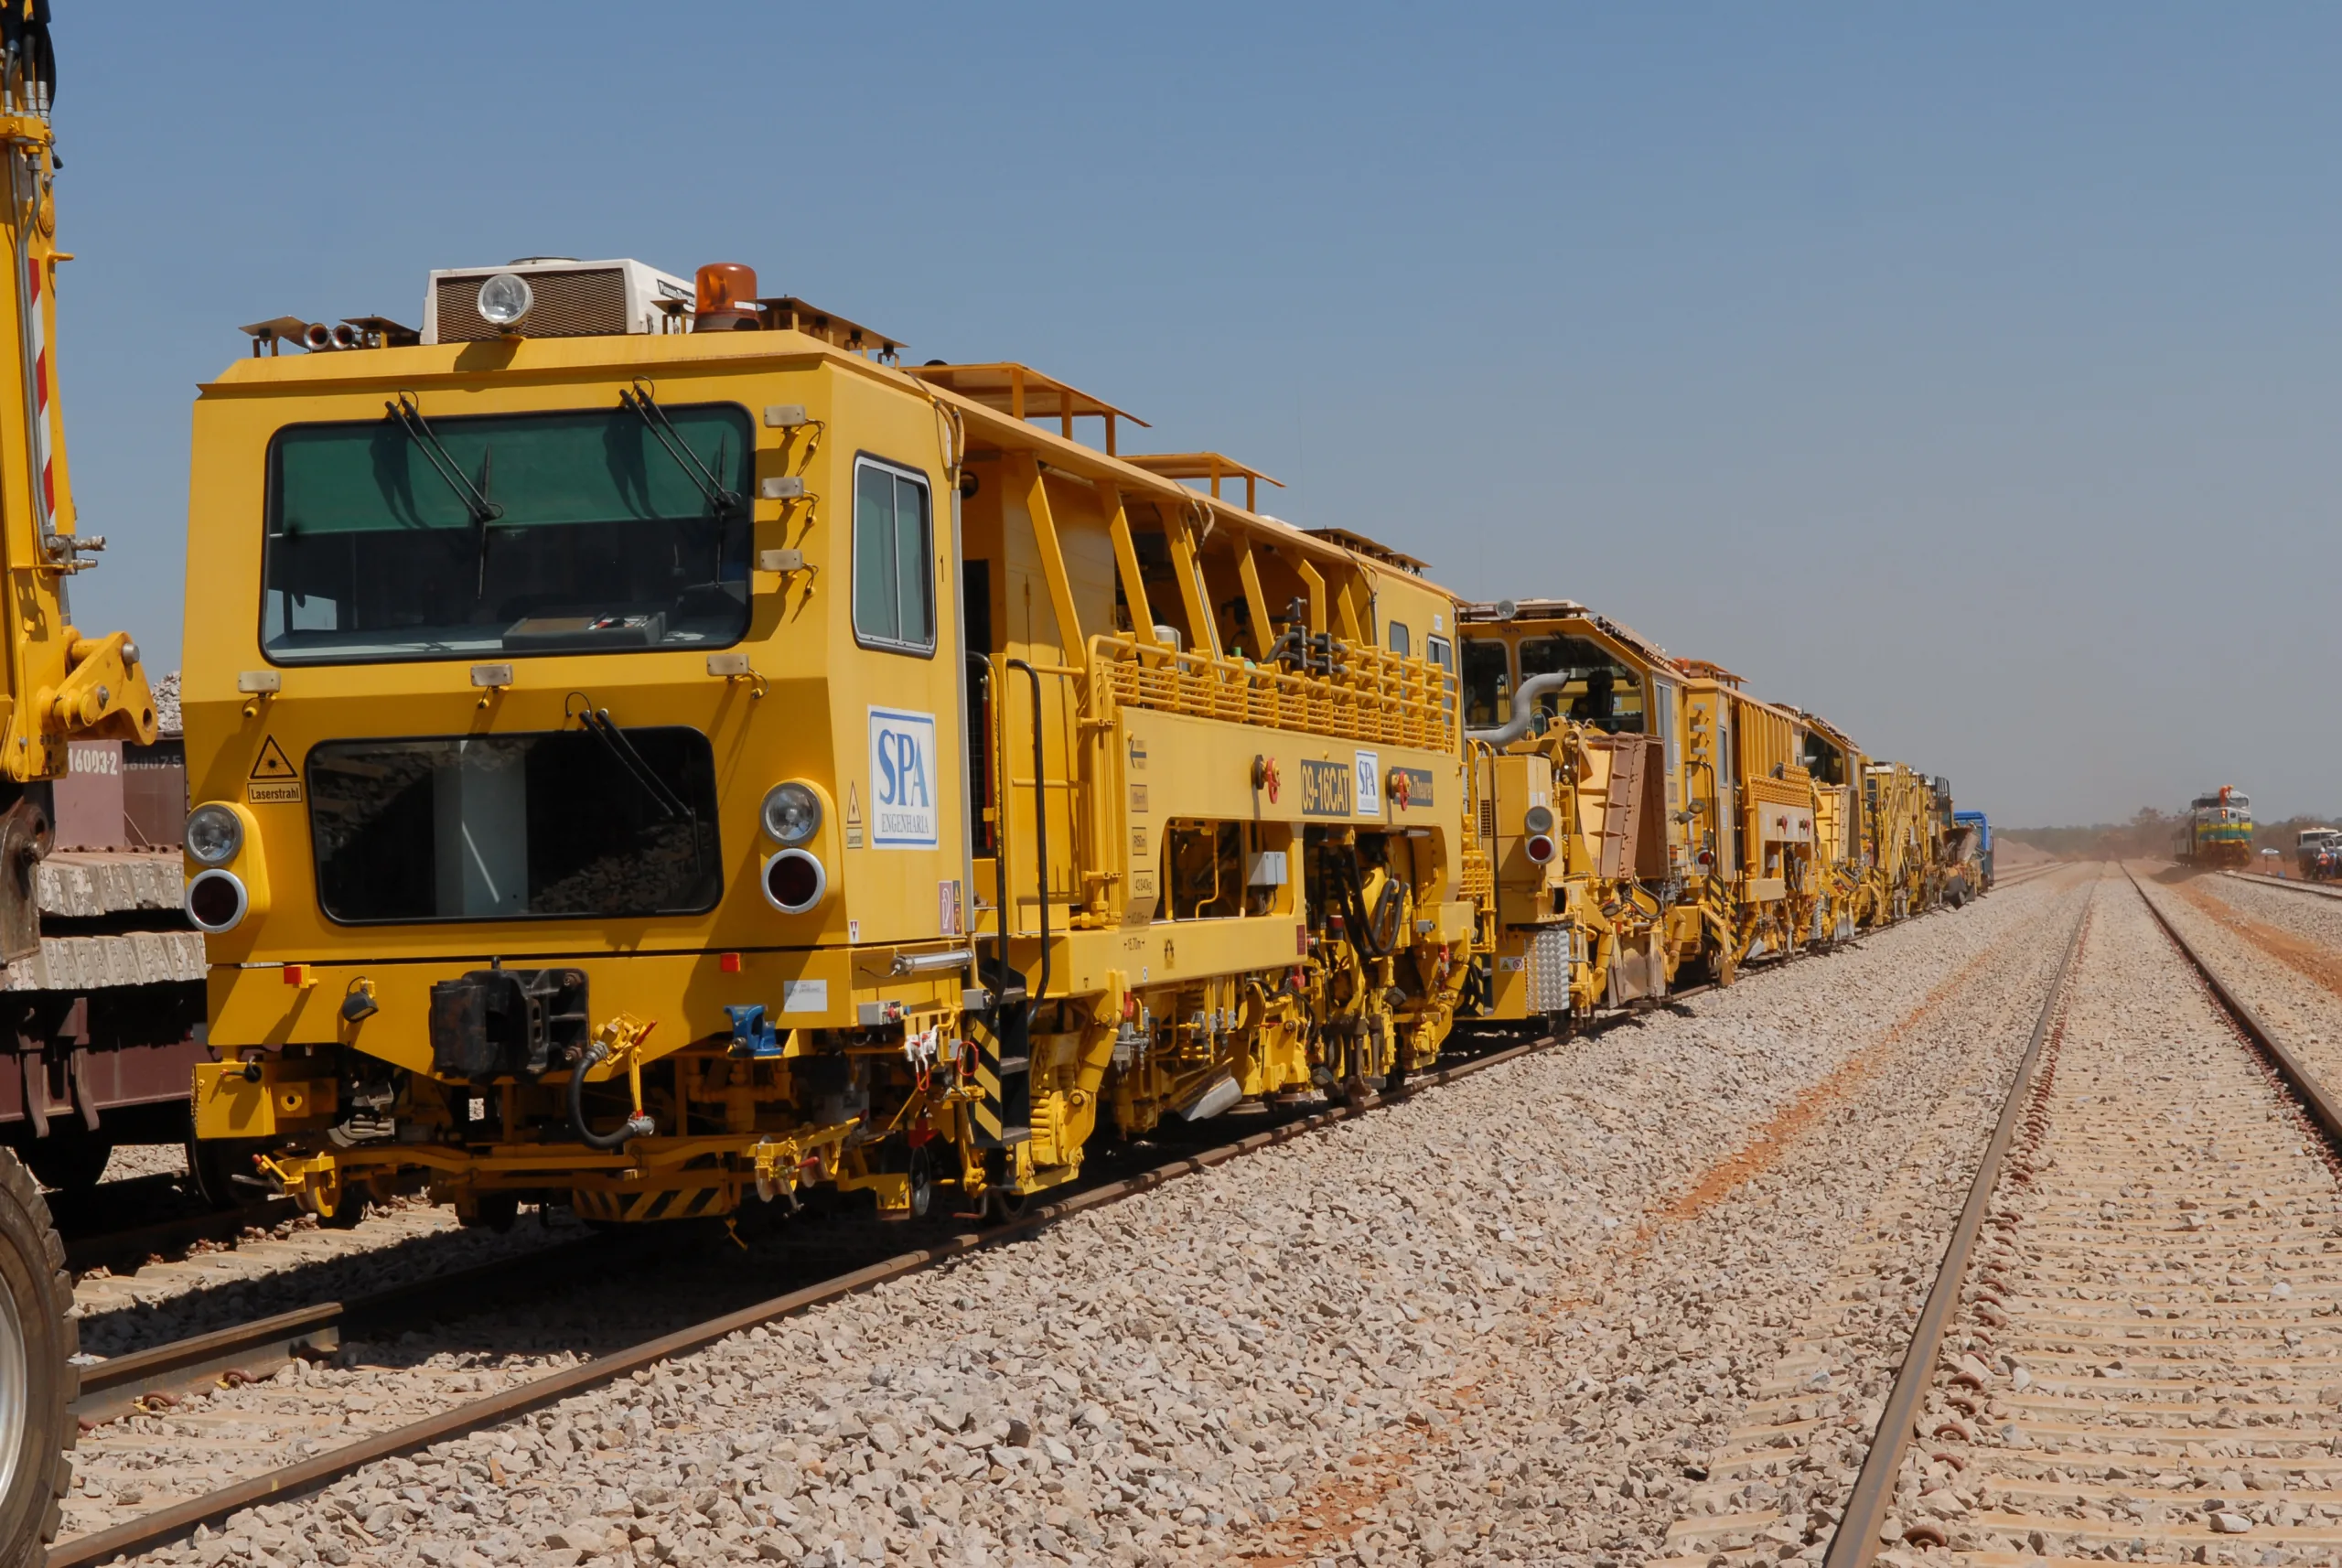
column 794, row 881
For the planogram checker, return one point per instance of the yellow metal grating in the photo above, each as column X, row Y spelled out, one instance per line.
column 588, row 304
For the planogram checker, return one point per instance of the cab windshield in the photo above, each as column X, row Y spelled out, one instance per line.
column 1597, row 689
column 593, row 529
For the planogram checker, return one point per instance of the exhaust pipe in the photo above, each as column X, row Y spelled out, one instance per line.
column 1524, row 710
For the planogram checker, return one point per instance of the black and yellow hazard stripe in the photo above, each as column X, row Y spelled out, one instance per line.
column 1002, row 1112
column 631, row 1203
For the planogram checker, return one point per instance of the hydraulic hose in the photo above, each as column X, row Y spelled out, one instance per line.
column 1391, row 894
column 637, row 1126
column 1352, row 882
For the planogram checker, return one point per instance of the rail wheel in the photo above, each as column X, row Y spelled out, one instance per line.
column 212, row 1165
column 921, row 1185
column 36, row 1376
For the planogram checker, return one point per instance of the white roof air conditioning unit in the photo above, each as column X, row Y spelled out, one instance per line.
column 569, row 299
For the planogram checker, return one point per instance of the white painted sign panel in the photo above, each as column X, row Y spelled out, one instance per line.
column 905, row 786
column 1369, row 793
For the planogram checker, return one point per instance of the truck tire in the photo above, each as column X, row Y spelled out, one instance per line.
column 37, row 1378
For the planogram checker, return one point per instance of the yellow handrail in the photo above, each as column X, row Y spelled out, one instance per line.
column 1386, row 698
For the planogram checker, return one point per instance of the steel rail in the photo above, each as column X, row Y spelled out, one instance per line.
column 118, row 1385
column 1855, row 1542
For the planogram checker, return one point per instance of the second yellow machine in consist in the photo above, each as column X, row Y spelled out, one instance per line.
column 654, row 748
column 1674, row 825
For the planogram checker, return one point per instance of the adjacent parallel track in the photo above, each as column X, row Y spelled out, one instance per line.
column 2314, row 889
column 2130, row 1376
column 1856, row 1544
column 248, row 1352
column 128, row 1248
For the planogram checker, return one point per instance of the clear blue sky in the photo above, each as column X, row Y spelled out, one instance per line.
column 1968, row 374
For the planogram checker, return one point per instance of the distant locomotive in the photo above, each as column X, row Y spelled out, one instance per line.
column 2218, row 832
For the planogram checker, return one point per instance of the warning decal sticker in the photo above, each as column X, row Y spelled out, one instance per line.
column 273, row 781
column 271, row 762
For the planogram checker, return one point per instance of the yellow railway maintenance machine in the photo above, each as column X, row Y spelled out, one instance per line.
column 1642, row 812
column 652, row 749
column 1573, row 721
column 1751, row 780
column 1842, row 834
column 1900, row 804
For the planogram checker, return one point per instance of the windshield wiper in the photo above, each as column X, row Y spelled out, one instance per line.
column 723, row 501
column 598, row 722
column 409, row 414
column 410, row 418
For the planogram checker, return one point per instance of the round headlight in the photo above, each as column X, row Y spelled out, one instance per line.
column 214, row 835
column 215, row 901
column 793, row 812
column 1538, row 820
column 505, row 298
column 794, row 881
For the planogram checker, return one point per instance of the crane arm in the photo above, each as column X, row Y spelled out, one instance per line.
column 57, row 684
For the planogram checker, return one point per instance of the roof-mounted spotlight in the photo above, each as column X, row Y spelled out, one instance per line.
column 504, row 300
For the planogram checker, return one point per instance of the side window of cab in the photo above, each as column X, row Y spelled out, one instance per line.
column 894, row 558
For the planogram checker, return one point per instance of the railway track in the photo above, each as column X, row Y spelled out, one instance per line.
column 2313, row 889
column 129, row 1246
column 2130, row 1351
column 251, row 1350
column 255, row 1350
